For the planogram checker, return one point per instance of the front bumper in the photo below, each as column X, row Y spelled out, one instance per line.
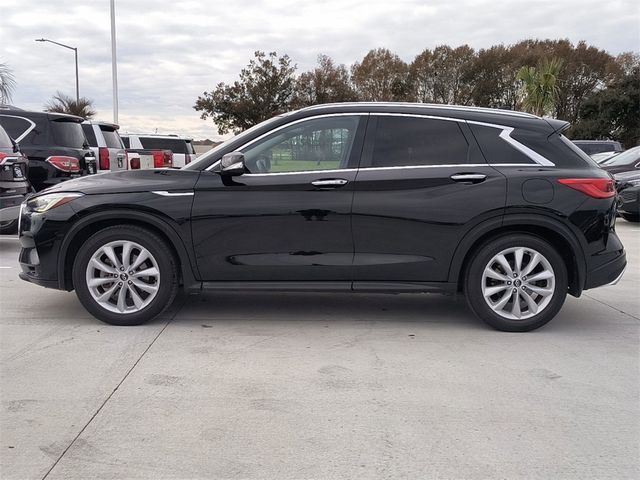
column 630, row 201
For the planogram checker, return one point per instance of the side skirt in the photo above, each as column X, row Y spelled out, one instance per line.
column 370, row 287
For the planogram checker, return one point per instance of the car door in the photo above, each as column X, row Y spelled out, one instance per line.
column 287, row 219
column 422, row 184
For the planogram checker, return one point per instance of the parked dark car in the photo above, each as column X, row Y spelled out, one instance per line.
column 14, row 185
column 54, row 143
column 591, row 147
column 628, row 186
column 361, row 197
column 627, row 161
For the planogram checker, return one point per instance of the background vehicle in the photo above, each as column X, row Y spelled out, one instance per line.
column 54, row 143
column 106, row 144
column 14, row 185
column 602, row 157
column 626, row 161
column 628, row 186
column 591, row 147
column 182, row 147
column 145, row 158
column 346, row 197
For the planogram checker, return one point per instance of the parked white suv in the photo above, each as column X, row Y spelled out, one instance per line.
column 107, row 145
column 182, row 147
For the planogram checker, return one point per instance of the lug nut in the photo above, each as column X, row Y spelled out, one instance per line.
column 119, row 284
column 122, row 269
column 524, row 278
column 131, row 272
column 515, row 290
column 515, row 275
column 130, row 282
column 509, row 282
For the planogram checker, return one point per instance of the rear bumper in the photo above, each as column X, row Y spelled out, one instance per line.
column 608, row 274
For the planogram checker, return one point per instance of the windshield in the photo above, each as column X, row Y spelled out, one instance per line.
column 624, row 158
column 68, row 134
column 206, row 157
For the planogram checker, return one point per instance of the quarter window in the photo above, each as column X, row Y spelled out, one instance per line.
column 14, row 126
column 409, row 141
column 317, row 144
column 495, row 149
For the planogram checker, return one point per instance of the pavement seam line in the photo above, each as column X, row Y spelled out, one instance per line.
column 611, row 306
column 114, row 390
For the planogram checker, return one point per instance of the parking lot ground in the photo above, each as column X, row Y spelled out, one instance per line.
column 290, row 386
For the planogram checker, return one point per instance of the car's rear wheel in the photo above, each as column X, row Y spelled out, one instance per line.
column 516, row 283
column 125, row 275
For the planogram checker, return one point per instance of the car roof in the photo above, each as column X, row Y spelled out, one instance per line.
column 102, row 124
column 158, row 135
column 494, row 116
column 19, row 112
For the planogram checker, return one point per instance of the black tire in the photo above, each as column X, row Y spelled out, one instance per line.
column 167, row 265
column 9, row 228
column 473, row 282
column 630, row 217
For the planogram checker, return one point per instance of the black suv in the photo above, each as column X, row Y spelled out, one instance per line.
column 54, row 143
column 362, row 197
column 14, row 186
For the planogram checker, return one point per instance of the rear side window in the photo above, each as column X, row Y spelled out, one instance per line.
column 68, row 134
column 111, row 137
column 496, row 149
column 125, row 141
column 15, row 127
column 176, row 145
column 5, row 141
column 89, row 133
column 409, row 141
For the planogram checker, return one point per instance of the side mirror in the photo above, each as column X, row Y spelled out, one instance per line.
column 232, row 164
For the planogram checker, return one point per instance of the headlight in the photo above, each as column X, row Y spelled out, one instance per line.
column 51, row 200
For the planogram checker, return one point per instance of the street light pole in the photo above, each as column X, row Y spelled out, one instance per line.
column 114, row 68
column 75, row 51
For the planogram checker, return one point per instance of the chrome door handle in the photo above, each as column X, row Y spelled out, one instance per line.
column 469, row 177
column 330, row 183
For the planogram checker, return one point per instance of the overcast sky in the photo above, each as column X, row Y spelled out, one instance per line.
column 169, row 52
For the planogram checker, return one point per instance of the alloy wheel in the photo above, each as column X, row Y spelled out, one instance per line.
column 518, row 283
column 123, row 277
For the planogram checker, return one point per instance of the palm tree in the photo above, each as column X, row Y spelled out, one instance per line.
column 540, row 86
column 7, row 83
column 61, row 103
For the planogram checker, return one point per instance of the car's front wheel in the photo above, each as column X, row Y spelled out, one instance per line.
column 516, row 283
column 125, row 275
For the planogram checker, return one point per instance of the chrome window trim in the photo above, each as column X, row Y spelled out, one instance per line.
column 300, row 120
column 164, row 193
column 27, row 131
column 505, row 135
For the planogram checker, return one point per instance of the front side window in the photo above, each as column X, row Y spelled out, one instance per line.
column 323, row 143
column 412, row 141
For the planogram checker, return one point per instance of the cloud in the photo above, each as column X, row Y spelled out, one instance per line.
column 170, row 52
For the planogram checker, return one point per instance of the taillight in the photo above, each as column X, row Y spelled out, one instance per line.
column 3, row 157
column 103, row 152
column 135, row 164
column 187, row 159
column 64, row 164
column 593, row 187
column 162, row 158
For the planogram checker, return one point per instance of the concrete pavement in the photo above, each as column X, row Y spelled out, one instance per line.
column 290, row 386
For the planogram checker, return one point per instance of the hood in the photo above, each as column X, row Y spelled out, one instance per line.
column 129, row 181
